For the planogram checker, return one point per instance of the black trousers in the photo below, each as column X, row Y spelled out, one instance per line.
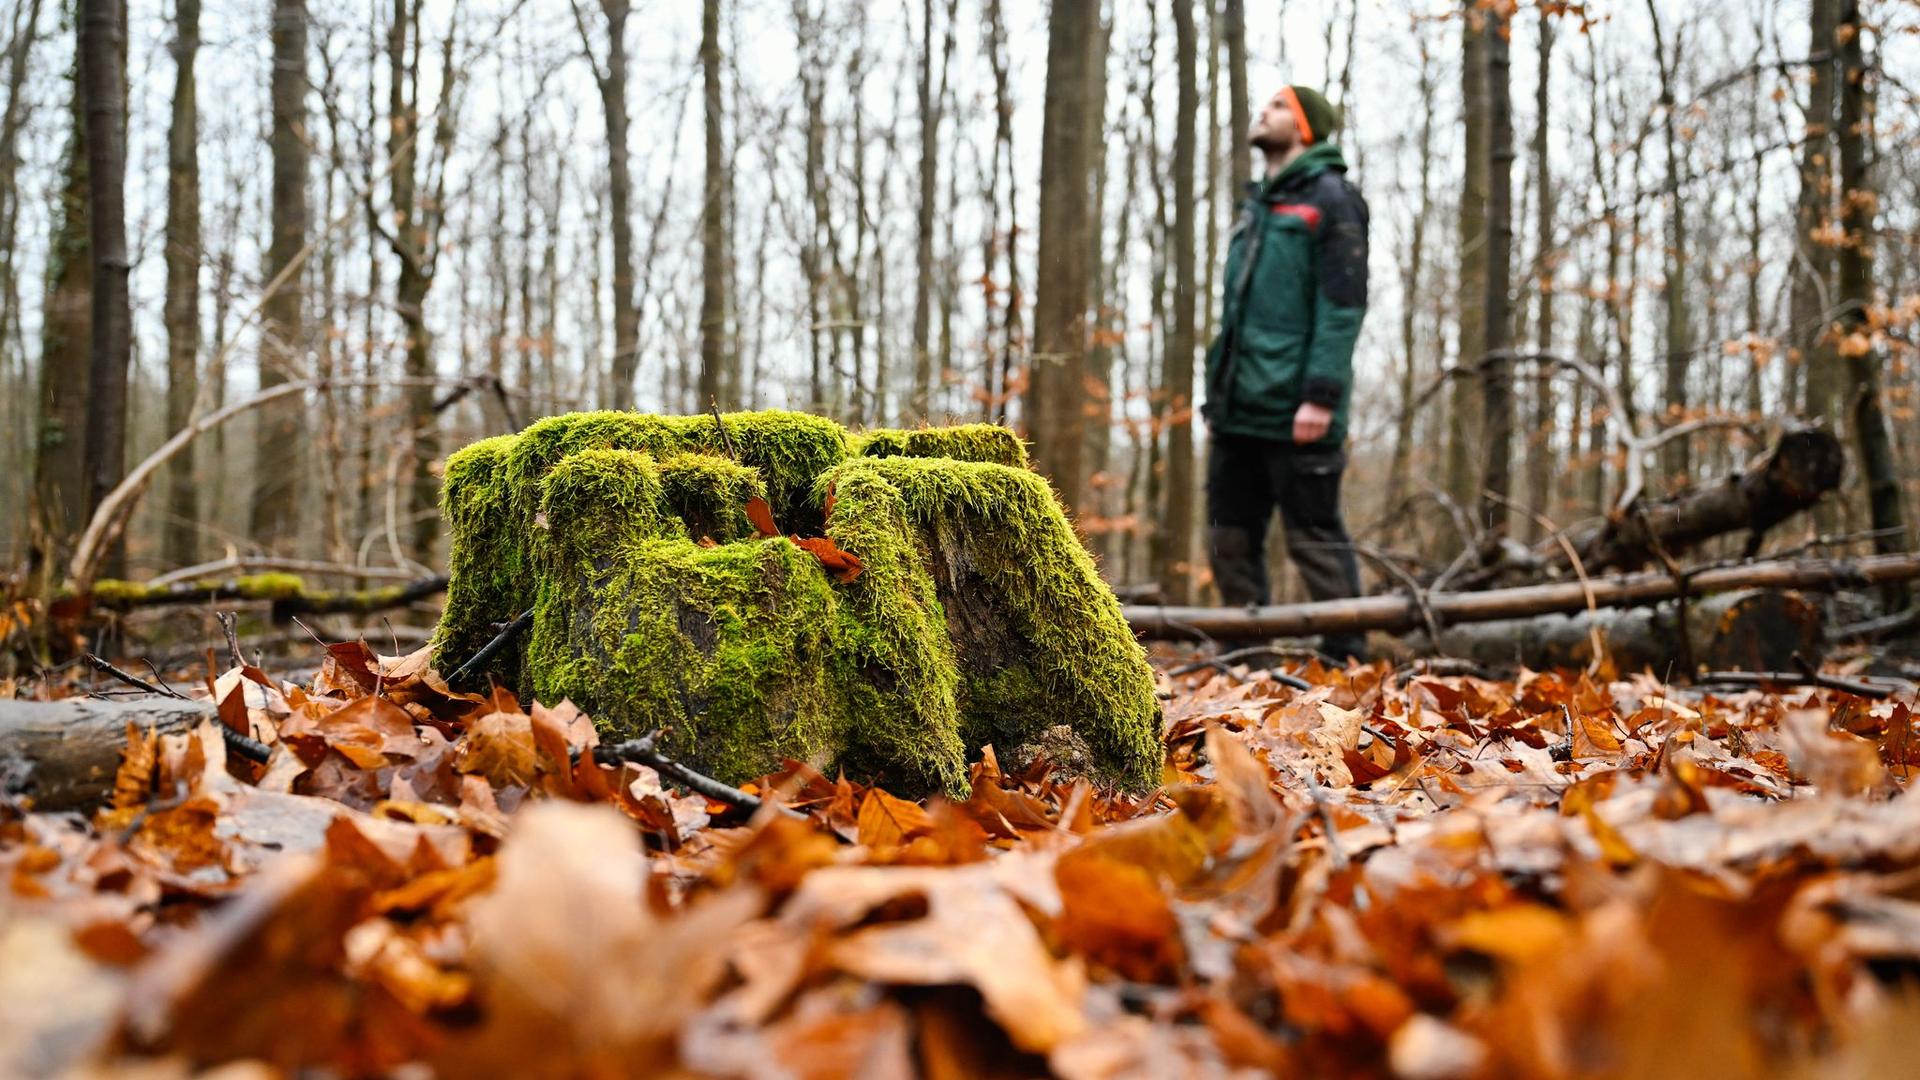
column 1247, row 479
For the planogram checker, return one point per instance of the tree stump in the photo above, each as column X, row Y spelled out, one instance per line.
column 978, row 617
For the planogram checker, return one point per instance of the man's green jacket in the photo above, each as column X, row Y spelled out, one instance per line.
column 1296, row 292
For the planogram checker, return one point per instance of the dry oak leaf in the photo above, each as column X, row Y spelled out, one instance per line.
column 974, row 933
column 886, row 821
column 566, row 942
column 500, row 747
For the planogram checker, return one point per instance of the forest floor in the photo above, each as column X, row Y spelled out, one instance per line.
column 1390, row 873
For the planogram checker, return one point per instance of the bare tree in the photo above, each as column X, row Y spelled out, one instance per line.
column 1859, row 199
column 1497, row 381
column 929, row 192
column 1465, row 409
column 1811, row 297
column 59, row 467
column 1234, row 20
column 1176, row 573
column 415, row 241
column 183, row 284
column 1676, row 455
column 1539, row 456
column 102, row 46
column 277, row 455
column 1054, row 420
column 714, row 302
column 23, row 32
column 611, row 78
column 1411, row 283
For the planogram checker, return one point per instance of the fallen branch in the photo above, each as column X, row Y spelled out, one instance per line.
column 112, row 513
column 1398, row 613
column 492, row 648
column 1773, row 680
column 641, row 751
column 202, row 571
column 63, row 754
column 245, row 746
column 289, row 596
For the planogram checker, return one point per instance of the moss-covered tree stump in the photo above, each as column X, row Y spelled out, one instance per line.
column 978, row 618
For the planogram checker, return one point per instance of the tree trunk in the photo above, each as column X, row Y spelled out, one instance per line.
column 1465, row 408
column 1811, row 301
column 1397, row 613
column 1412, row 283
column 182, row 311
column 1497, row 303
column 1858, row 200
column 1676, row 458
column 18, row 417
column 102, row 44
column 612, row 81
column 59, row 469
column 929, row 192
column 1234, row 18
column 1176, row 573
column 1054, row 420
column 1540, row 444
column 277, row 458
column 714, row 344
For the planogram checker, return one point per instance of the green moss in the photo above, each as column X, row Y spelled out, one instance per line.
column 730, row 648
column 1039, row 638
column 486, row 562
column 902, row 687
column 979, row 617
column 709, row 495
column 788, row 449
column 962, row 442
column 113, row 592
column 268, row 586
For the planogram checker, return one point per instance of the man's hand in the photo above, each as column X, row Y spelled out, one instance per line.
column 1310, row 422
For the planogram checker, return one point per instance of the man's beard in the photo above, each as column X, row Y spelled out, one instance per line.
column 1269, row 144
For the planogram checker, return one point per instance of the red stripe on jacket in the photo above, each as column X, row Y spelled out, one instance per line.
column 1307, row 213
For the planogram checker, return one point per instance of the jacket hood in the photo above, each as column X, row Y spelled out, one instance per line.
column 1317, row 158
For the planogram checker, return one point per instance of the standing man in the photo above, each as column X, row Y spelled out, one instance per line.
column 1278, row 375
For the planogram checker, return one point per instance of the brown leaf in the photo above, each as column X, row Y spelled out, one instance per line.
column 500, row 746
column 886, row 821
column 842, row 566
column 761, row 515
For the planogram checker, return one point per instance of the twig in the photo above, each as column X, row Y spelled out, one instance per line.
column 228, row 622
column 492, row 648
column 1895, row 625
column 251, row 749
column 1220, row 662
column 1763, row 680
column 641, row 751
column 726, row 440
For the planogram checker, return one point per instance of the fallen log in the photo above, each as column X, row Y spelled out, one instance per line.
column 288, row 593
column 1399, row 612
column 1750, row 630
column 1792, row 476
column 63, row 754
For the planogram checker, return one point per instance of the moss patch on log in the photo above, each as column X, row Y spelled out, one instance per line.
column 962, row 442
column 486, row 571
column 979, row 617
column 1038, row 638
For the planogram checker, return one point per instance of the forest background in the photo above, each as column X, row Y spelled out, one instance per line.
column 465, row 215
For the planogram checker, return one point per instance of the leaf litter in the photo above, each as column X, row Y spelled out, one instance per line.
column 1387, row 874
